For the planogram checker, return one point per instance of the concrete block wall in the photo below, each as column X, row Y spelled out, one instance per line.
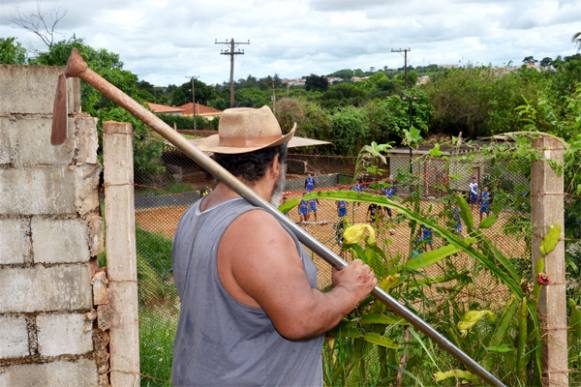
column 50, row 235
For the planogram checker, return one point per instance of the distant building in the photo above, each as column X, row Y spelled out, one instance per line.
column 359, row 79
column 201, row 110
column 333, row 80
column 185, row 110
column 164, row 109
column 294, row 82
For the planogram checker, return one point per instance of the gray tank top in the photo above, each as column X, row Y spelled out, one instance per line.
column 219, row 341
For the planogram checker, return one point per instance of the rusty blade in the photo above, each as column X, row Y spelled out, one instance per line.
column 58, row 134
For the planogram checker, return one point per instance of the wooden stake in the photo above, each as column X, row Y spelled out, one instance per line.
column 121, row 252
column 547, row 210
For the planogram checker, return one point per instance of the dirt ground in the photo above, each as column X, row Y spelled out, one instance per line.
column 393, row 237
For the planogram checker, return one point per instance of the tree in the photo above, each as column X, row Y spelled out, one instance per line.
column 349, row 130
column 41, row 24
column 577, row 40
column 11, row 52
column 546, row 62
column 343, row 94
column 529, row 60
column 316, row 82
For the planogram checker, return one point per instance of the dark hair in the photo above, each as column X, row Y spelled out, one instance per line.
column 253, row 165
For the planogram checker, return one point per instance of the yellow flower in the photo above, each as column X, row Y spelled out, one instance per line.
column 471, row 318
column 459, row 374
column 358, row 232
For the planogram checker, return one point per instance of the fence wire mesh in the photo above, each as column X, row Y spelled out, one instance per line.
column 161, row 201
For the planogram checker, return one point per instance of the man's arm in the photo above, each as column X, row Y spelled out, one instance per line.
column 259, row 266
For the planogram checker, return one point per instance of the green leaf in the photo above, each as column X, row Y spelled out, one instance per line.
column 377, row 339
column 435, row 151
column 488, row 221
column 379, row 318
column 471, row 318
column 458, row 374
column 430, row 257
column 348, row 330
column 465, row 212
column 550, row 240
column 503, row 348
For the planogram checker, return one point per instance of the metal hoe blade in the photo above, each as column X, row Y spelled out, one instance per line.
column 76, row 67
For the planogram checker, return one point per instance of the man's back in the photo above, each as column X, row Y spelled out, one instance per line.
column 219, row 340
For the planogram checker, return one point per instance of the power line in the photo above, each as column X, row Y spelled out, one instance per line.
column 231, row 51
column 405, row 66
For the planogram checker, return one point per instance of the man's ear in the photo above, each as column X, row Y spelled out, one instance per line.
column 275, row 166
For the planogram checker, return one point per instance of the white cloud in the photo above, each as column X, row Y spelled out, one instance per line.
column 165, row 40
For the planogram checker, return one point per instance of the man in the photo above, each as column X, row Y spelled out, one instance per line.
column 313, row 207
column 484, row 203
column 303, row 210
column 309, row 183
column 341, row 208
column 250, row 310
column 372, row 211
column 473, row 188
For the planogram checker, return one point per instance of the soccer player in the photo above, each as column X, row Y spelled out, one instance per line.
column 342, row 208
column 339, row 229
column 484, row 203
column 457, row 219
column 426, row 238
column 473, row 186
column 310, row 183
column 303, row 210
column 313, row 207
column 372, row 212
column 389, row 193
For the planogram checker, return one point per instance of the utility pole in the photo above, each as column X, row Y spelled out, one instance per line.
column 193, row 78
column 405, row 58
column 273, row 97
column 231, row 51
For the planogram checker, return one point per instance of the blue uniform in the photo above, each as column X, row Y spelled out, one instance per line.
column 458, row 219
column 309, row 184
column 485, row 202
column 389, row 192
column 427, row 235
column 303, row 208
column 342, row 208
column 473, row 193
column 313, row 205
column 357, row 188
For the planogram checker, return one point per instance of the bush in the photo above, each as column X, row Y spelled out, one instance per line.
column 185, row 122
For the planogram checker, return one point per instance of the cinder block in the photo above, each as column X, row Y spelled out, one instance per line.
column 38, row 289
column 4, row 145
column 78, row 373
column 31, row 89
column 59, row 240
column 86, row 139
column 86, row 183
column 62, row 334
column 35, row 191
column 25, row 141
column 62, row 190
column 13, row 338
column 14, row 241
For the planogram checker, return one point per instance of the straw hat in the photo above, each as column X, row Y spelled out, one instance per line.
column 243, row 130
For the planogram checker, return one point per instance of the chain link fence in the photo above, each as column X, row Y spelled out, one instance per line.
column 161, row 200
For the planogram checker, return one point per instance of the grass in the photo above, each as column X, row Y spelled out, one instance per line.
column 157, row 329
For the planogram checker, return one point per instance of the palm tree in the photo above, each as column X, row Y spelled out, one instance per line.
column 577, row 40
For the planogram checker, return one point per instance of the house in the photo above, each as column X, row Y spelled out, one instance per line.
column 201, row 110
column 185, row 110
column 164, row 109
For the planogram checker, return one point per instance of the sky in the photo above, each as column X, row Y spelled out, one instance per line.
column 165, row 41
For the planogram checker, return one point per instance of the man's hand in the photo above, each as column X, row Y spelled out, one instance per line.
column 357, row 279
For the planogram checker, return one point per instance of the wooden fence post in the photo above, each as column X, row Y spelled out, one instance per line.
column 121, row 252
column 547, row 210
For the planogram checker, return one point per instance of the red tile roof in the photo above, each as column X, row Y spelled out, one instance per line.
column 201, row 110
column 157, row 108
